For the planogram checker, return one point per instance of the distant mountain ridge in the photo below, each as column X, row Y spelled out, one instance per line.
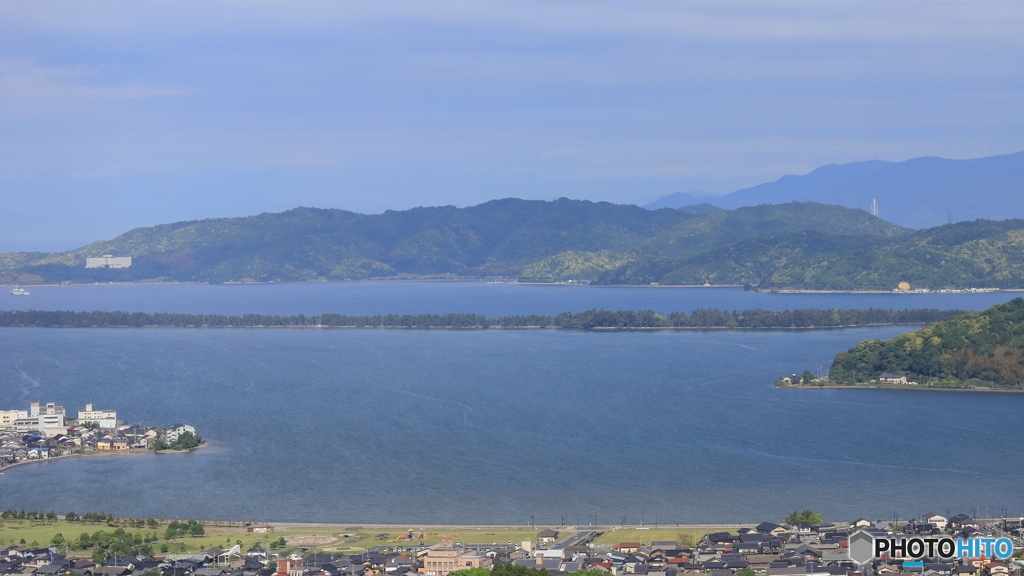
column 678, row 200
column 916, row 193
column 494, row 238
column 797, row 245
column 497, row 238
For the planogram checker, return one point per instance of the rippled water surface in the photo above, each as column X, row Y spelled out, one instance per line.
column 440, row 297
column 498, row 426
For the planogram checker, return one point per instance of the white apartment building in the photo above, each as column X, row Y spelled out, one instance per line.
column 105, row 418
column 109, row 261
column 175, row 430
column 42, row 418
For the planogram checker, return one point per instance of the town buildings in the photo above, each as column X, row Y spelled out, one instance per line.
column 49, row 419
column 103, row 418
column 768, row 549
column 176, row 430
column 446, row 557
column 45, row 431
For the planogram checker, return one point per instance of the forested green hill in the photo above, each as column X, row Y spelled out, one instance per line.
column 498, row 238
column 495, row 238
column 800, row 245
column 973, row 349
column 979, row 254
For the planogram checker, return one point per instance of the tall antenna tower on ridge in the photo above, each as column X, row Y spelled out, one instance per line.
column 874, row 207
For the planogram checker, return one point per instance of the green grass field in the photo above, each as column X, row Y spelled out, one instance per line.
column 311, row 537
column 327, row 538
column 684, row 536
column 464, row 535
column 16, row 532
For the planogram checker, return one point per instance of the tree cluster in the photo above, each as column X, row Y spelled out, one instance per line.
column 184, row 441
column 106, row 544
column 90, row 517
column 178, row 529
column 715, row 318
column 701, row 318
column 110, row 520
column 28, row 515
column 805, row 516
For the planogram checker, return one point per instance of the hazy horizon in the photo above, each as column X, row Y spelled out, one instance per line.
column 120, row 115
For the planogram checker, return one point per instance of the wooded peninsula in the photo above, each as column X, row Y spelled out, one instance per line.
column 976, row 350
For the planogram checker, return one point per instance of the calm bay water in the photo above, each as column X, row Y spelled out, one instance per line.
column 357, row 298
column 498, row 426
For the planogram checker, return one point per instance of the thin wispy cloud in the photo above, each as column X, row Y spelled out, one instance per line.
column 233, row 108
column 32, row 89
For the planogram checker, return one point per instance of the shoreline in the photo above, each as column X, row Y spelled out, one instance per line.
column 894, row 387
column 177, row 450
column 593, row 329
column 908, row 293
column 576, row 285
column 525, row 526
column 95, row 453
column 5, row 467
column 492, row 281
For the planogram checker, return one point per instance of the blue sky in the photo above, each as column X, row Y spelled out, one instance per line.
column 120, row 114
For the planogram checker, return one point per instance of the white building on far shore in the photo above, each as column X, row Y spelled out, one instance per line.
column 175, row 430
column 46, row 419
column 109, row 261
column 105, row 418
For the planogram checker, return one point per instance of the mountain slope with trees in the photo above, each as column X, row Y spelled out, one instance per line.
column 494, row 238
column 497, row 238
column 979, row 254
column 975, row 349
column 799, row 245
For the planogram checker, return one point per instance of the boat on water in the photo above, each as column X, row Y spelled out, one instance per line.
column 19, row 291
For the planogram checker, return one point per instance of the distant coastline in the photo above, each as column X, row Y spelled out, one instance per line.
column 896, row 387
column 775, row 247
column 505, row 281
column 590, row 329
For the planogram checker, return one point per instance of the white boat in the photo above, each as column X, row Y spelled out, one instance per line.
column 19, row 291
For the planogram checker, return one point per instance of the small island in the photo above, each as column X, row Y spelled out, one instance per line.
column 45, row 432
column 976, row 351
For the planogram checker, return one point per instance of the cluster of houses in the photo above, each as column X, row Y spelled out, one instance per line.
column 782, row 550
column 817, row 550
column 768, row 549
column 886, row 378
column 46, row 431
